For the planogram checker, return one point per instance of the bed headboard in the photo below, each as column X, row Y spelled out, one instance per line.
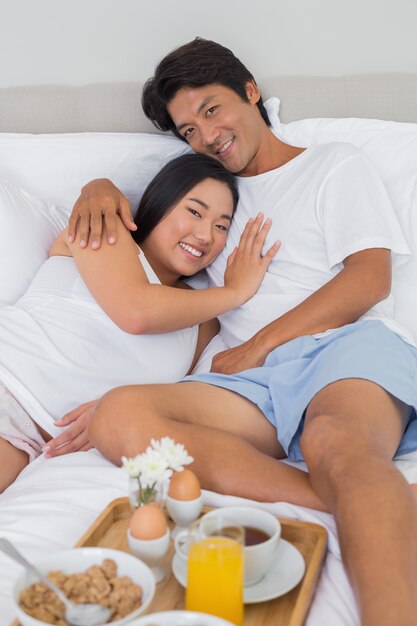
column 116, row 107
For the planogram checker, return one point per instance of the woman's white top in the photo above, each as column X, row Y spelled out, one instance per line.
column 59, row 349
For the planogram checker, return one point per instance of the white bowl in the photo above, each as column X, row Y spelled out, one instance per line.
column 180, row 618
column 79, row 560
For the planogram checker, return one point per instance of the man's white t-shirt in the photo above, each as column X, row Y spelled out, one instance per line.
column 325, row 204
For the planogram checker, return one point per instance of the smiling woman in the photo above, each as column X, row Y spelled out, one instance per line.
column 184, row 217
column 92, row 320
column 193, row 234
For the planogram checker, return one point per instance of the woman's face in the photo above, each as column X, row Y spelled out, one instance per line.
column 192, row 234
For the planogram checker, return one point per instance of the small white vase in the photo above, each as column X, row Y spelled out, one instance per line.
column 151, row 552
column 134, row 494
column 183, row 512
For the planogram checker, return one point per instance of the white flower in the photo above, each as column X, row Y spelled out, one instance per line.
column 154, row 468
column 175, row 455
column 132, row 466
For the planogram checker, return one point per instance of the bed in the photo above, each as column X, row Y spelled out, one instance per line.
column 55, row 138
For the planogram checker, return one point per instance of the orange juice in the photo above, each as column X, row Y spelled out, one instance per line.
column 215, row 578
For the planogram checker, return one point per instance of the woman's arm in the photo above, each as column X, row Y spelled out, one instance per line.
column 119, row 284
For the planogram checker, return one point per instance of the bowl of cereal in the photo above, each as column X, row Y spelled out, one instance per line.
column 113, row 578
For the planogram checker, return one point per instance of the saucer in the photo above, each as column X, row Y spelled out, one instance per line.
column 284, row 575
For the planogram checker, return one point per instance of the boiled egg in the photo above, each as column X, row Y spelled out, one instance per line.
column 184, row 486
column 148, row 522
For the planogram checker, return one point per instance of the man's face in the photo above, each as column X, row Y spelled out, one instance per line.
column 216, row 121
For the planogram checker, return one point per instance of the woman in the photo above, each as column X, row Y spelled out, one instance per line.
column 93, row 320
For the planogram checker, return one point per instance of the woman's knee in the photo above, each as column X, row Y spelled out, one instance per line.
column 109, row 408
column 118, row 403
column 118, row 414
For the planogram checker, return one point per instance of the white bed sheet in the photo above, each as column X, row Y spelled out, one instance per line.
column 54, row 501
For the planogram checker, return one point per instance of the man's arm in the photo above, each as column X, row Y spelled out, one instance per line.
column 364, row 281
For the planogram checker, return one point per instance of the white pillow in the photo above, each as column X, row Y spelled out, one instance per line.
column 55, row 167
column 392, row 149
column 28, row 227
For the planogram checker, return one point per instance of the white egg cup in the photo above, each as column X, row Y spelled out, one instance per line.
column 183, row 512
column 151, row 552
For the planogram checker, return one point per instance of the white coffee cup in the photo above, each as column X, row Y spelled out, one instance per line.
column 258, row 558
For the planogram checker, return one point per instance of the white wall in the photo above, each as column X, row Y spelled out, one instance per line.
column 83, row 41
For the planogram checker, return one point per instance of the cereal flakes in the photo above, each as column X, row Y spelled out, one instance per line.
column 97, row 584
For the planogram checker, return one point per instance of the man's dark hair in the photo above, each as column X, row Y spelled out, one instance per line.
column 195, row 64
column 172, row 183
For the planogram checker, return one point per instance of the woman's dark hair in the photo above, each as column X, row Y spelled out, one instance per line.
column 172, row 183
column 195, row 64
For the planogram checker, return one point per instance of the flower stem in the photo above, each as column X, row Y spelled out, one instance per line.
column 145, row 493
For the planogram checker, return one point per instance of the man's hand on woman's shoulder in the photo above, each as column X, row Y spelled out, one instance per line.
column 99, row 199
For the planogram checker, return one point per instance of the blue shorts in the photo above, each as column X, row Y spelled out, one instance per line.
column 296, row 371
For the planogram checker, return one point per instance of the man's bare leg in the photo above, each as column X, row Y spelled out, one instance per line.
column 352, row 430
column 233, row 444
column 12, row 462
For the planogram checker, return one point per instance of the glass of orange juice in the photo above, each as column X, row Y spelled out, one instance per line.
column 215, row 569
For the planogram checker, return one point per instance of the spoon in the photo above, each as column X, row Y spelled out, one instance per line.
column 75, row 614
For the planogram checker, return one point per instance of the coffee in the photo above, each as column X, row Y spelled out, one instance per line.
column 253, row 536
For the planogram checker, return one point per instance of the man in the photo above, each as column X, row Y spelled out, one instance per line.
column 344, row 399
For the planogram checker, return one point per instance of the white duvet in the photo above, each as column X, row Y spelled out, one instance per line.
column 54, row 501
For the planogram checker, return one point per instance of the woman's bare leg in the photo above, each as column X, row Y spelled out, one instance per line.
column 234, row 447
column 12, row 461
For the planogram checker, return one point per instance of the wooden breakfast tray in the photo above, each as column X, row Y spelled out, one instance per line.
column 109, row 531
